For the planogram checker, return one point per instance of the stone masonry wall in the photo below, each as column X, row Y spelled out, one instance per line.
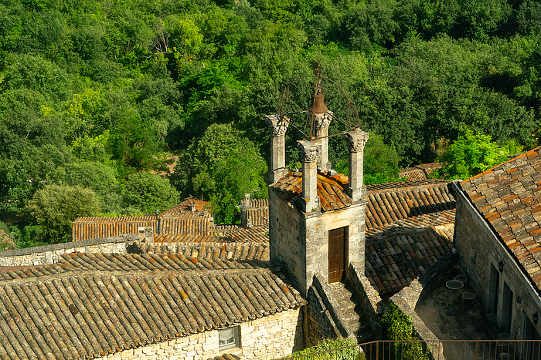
column 370, row 303
column 301, row 241
column 266, row 338
column 48, row 254
column 286, row 244
column 480, row 252
column 317, row 234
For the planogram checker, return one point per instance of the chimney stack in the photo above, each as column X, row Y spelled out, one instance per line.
column 309, row 157
column 356, row 140
column 321, row 117
column 277, row 127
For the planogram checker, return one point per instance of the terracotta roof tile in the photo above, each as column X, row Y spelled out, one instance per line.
column 398, row 201
column 185, row 207
column 100, row 304
column 232, row 234
column 331, row 189
column 409, row 227
column 85, row 228
column 514, row 201
column 419, row 172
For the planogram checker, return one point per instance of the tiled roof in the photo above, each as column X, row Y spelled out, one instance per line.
column 409, row 227
column 225, row 357
column 397, row 201
column 128, row 262
column 223, row 251
column 235, row 234
column 508, row 196
column 444, row 217
column 331, row 189
column 419, row 172
column 185, row 207
column 258, row 212
column 85, row 228
column 397, row 255
column 88, row 306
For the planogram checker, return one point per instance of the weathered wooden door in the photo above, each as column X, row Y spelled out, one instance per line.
column 337, row 254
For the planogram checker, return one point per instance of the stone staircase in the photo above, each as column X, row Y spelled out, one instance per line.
column 345, row 309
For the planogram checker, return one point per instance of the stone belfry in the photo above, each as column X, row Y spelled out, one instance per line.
column 316, row 217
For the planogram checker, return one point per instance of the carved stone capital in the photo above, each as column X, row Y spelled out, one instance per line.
column 277, row 124
column 356, row 140
column 309, row 151
column 323, row 120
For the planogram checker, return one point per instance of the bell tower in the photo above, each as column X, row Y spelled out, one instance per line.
column 316, row 216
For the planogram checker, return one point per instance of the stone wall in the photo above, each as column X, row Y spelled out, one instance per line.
column 370, row 303
column 301, row 240
column 266, row 338
column 319, row 323
column 316, row 230
column 48, row 254
column 480, row 253
column 406, row 300
column 286, row 244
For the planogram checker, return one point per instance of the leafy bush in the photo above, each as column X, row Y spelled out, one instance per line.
column 339, row 349
column 54, row 208
column 398, row 326
column 472, row 154
column 148, row 192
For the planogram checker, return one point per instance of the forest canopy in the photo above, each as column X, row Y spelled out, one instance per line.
column 98, row 97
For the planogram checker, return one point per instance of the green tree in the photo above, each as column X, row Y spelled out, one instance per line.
column 38, row 74
column 148, row 192
column 380, row 162
column 472, row 154
column 56, row 206
column 222, row 165
column 98, row 177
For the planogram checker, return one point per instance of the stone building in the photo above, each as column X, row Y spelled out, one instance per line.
column 498, row 238
column 125, row 298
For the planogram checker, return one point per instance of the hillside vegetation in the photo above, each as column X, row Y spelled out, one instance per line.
column 96, row 95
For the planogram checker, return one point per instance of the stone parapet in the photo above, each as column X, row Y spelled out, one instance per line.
column 48, row 254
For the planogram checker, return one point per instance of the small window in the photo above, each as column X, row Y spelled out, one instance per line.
column 228, row 338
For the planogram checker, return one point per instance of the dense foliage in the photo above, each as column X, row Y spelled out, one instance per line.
column 93, row 93
column 398, row 326
column 329, row 349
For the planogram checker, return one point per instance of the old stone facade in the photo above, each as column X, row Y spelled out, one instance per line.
column 266, row 338
column 498, row 238
column 300, row 240
column 496, row 277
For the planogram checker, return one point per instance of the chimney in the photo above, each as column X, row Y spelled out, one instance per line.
column 321, row 117
column 277, row 127
column 192, row 205
column 245, row 205
column 356, row 139
column 309, row 156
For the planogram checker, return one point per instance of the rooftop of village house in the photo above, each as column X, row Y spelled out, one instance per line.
column 508, row 196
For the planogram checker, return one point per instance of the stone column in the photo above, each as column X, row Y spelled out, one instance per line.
column 309, row 155
column 321, row 122
column 277, row 127
column 356, row 139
